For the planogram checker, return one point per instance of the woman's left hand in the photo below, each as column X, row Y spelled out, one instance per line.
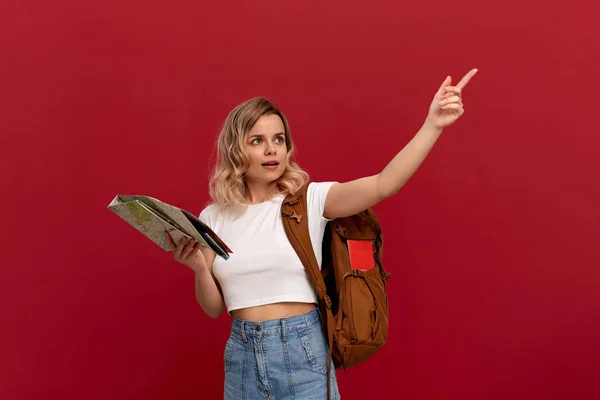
column 447, row 105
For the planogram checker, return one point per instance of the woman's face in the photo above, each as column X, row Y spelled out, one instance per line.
column 266, row 149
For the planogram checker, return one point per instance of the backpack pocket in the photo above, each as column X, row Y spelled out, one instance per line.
column 366, row 307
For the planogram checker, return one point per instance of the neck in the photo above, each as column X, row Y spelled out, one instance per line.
column 259, row 192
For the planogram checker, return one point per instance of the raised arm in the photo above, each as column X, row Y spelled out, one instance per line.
column 348, row 198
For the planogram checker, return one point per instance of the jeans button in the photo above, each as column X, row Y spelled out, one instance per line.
column 258, row 328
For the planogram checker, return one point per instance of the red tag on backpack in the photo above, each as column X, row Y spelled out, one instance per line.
column 361, row 254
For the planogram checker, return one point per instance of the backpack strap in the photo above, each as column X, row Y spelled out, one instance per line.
column 294, row 210
column 295, row 222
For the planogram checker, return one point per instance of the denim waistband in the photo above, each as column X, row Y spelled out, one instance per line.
column 243, row 329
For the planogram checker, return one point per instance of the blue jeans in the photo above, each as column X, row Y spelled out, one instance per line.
column 282, row 359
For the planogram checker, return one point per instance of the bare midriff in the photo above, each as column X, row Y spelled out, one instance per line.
column 273, row 311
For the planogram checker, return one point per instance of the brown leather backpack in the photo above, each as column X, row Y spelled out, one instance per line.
column 353, row 303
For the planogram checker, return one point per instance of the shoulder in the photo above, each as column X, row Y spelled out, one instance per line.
column 209, row 214
column 316, row 195
column 319, row 189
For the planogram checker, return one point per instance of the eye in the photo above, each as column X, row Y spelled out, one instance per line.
column 280, row 139
column 256, row 141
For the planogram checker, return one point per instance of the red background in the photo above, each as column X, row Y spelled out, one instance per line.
column 493, row 245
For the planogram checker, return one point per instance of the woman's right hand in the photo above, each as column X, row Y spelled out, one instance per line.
column 187, row 252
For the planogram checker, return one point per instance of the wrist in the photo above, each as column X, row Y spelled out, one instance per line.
column 199, row 270
column 431, row 126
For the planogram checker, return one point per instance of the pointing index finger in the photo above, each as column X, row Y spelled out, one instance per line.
column 463, row 82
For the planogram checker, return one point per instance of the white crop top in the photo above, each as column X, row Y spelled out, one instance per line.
column 264, row 268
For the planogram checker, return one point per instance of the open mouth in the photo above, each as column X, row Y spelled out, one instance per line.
column 270, row 164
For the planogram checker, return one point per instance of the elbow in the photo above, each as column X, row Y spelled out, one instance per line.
column 386, row 188
column 383, row 194
column 214, row 313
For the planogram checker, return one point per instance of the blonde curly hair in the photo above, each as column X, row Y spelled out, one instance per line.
column 227, row 186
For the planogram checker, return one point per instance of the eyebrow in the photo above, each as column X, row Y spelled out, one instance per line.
column 262, row 136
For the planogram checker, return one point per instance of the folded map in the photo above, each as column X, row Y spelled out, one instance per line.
column 154, row 218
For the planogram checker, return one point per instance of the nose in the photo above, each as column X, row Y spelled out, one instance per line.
column 270, row 149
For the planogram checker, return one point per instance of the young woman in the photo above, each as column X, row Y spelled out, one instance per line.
column 277, row 349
